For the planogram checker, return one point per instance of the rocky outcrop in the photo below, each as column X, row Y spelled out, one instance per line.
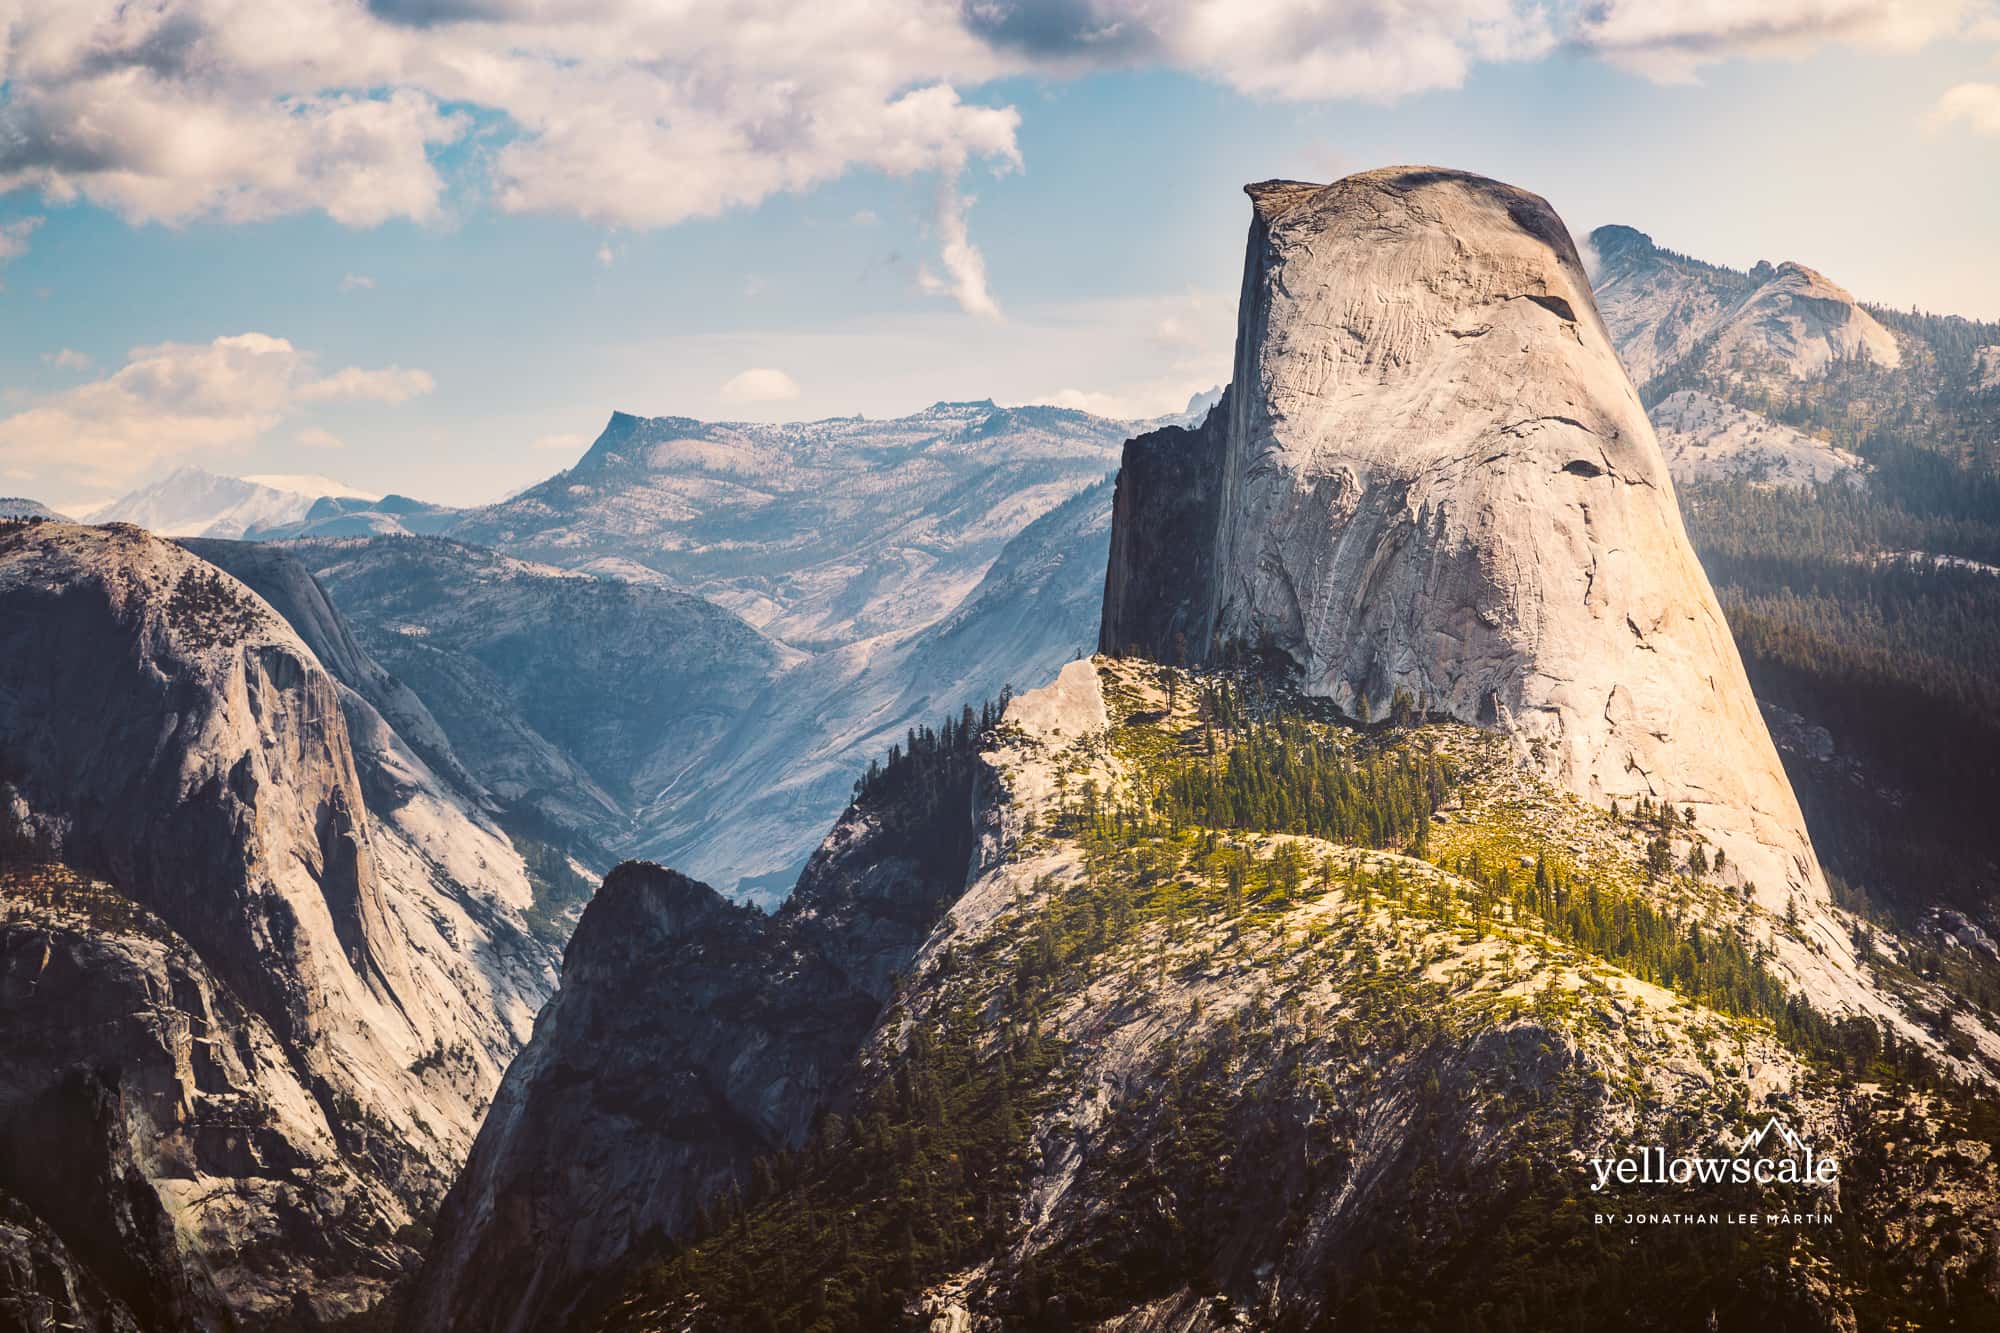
column 161, row 1147
column 165, row 732
column 1124, row 1086
column 1986, row 367
column 1159, row 582
column 1771, row 326
column 1705, row 438
column 240, row 731
column 1437, row 483
column 689, row 1037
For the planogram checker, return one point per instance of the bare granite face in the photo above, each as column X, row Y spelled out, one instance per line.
column 1437, row 485
column 276, row 871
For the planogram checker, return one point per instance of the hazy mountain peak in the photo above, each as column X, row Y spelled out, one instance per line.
column 20, row 506
column 1775, row 324
column 191, row 501
column 311, row 483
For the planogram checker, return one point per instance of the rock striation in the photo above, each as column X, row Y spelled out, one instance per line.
column 1435, row 483
column 1439, row 494
column 278, row 873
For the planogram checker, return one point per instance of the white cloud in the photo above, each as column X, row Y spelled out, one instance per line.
column 639, row 115
column 392, row 384
column 629, row 114
column 1375, row 50
column 1116, row 405
column 1670, row 40
column 14, row 237
column 606, row 256
column 174, row 400
column 67, row 358
column 964, row 277
column 567, row 442
column 1976, row 104
column 313, row 437
column 760, row 384
column 350, row 282
column 864, row 217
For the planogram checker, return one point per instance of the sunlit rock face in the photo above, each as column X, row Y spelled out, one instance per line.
column 1434, row 481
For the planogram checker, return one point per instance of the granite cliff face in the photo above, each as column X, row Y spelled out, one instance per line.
column 1165, row 515
column 1437, row 484
column 275, row 871
column 162, row 1151
column 689, row 1037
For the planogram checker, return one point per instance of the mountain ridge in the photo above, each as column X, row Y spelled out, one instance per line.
column 331, row 907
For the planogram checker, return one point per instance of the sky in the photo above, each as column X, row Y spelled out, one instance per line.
column 428, row 246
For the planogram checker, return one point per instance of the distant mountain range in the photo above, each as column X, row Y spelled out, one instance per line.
column 873, row 575
column 838, row 581
column 191, row 502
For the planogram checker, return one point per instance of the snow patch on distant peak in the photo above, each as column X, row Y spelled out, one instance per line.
column 193, row 502
column 310, row 483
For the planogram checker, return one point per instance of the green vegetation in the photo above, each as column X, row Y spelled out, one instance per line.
column 209, row 609
column 1454, row 1001
column 560, row 889
column 927, row 782
column 1839, row 623
column 923, row 1178
column 1277, row 771
column 1892, row 656
column 41, row 892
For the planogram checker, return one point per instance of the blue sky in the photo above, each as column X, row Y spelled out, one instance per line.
column 473, row 337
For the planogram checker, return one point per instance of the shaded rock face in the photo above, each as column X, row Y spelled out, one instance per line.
column 577, row 699
column 163, row 1154
column 42, row 1286
column 303, row 1001
column 1437, row 483
column 1160, row 577
column 689, row 1036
